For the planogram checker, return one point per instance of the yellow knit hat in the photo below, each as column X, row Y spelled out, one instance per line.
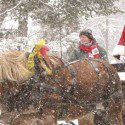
column 41, row 42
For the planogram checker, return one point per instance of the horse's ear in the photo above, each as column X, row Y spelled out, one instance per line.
column 27, row 54
column 33, row 48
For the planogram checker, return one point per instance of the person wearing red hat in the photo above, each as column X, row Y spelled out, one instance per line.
column 119, row 50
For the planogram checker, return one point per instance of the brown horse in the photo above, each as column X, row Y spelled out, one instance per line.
column 71, row 92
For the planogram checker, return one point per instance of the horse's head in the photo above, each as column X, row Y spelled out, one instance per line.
column 42, row 67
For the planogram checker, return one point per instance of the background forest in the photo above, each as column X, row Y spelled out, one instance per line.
column 24, row 22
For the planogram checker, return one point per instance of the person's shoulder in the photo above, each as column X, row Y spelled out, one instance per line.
column 101, row 48
column 103, row 52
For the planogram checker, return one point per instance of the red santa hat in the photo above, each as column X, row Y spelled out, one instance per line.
column 120, row 47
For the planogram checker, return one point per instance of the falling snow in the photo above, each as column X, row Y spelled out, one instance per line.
column 60, row 27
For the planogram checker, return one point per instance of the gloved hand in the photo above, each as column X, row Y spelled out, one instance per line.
column 122, row 59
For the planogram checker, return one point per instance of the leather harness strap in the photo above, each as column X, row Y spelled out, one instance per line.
column 74, row 80
column 73, row 74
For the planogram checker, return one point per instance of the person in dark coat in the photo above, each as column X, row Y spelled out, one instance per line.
column 88, row 48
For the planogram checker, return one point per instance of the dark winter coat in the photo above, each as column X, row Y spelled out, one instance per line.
column 80, row 54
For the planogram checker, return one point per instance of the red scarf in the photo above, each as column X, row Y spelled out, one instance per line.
column 92, row 51
column 87, row 49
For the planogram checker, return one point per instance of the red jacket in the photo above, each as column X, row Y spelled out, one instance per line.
column 93, row 52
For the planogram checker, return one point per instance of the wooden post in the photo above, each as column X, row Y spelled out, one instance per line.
column 107, row 32
column 60, row 31
column 60, row 37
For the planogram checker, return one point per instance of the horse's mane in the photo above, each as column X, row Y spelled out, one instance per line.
column 17, row 71
column 13, row 66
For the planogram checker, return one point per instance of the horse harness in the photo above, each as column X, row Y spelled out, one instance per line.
column 73, row 74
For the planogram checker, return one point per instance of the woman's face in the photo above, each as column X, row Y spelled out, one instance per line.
column 84, row 39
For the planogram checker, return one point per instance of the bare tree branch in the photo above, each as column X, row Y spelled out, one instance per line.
column 12, row 8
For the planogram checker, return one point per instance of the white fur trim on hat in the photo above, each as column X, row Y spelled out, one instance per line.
column 119, row 50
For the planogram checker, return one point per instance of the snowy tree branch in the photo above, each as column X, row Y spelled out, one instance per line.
column 12, row 8
column 47, row 5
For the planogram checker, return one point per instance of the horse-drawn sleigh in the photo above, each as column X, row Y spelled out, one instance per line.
column 72, row 91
